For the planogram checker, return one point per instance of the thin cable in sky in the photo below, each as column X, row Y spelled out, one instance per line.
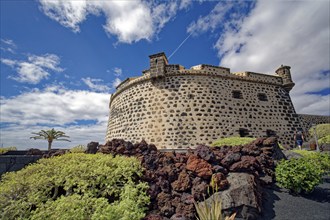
column 179, row 46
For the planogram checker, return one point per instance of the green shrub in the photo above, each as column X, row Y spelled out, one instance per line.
column 324, row 140
column 232, row 141
column 6, row 149
column 90, row 186
column 78, row 149
column 322, row 130
column 323, row 159
column 301, row 174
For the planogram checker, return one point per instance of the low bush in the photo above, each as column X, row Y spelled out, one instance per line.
column 6, row 149
column 75, row 186
column 323, row 159
column 322, row 130
column 78, row 149
column 324, row 140
column 232, row 141
column 298, row 175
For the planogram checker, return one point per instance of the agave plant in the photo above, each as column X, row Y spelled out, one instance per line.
column 50, row 136
column 211, row 210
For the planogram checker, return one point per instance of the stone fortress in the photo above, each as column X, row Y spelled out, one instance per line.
column 173, row 107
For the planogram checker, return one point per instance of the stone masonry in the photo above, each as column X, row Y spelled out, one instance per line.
column 173, row 107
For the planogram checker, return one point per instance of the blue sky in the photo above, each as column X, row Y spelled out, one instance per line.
column 61, row 60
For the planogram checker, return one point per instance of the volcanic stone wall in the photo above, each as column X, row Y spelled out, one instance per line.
column 181, row 108
column 307, row 121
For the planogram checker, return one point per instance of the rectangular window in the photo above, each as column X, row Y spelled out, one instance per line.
column 243, row 132
column 237, row 94
column 262, row 97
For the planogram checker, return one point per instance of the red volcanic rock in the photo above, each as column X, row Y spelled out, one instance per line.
column 153, row 217
column 176, row 180
column 247, row 164
column 230, row 158
column 199, row 189
column 92, row 147
column 185, row 212
column 199, row 166
column 183, row 182
column 219, row 181
column 205, row 153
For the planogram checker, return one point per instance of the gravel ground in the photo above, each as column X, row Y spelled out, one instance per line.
column 279, row 204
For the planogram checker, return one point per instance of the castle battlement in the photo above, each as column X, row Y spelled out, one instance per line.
column 175, row 107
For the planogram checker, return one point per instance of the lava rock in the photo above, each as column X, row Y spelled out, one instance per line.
column 199, row 166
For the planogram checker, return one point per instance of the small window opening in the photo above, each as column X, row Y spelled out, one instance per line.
column 237, row 94
column 243, row 132
column 270, row 133
column 190, row 96
column 262, row 97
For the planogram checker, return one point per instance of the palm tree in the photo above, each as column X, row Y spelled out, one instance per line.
column 50, row 136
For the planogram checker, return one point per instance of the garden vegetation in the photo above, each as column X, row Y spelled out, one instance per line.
column 232, row 141
column 6, row 149
column 302, row 174
column 75, row 186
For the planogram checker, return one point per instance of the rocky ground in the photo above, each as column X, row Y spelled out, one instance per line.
column 244, row 176
column 176, row 180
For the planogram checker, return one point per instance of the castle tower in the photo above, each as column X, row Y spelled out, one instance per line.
column 284, row 72
column 158, row 64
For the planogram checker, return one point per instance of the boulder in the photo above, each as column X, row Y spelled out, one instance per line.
column 199, row 166
column 199, row 189
column 182, row 183
column 219, row 181
column 205, row 153
column 242, row 196
column 92, row 147
column 247, row 163
column 230, row 158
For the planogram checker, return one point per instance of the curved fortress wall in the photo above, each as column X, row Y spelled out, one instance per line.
column 173, row 107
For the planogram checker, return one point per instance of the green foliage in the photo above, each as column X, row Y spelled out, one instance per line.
column 211, row 210
column 324, row 140
column 323, row 159
column 75, row 186
column 232, row 141
column 6, row 149
column 78, row 149
column 301, row 174
column 322, row 130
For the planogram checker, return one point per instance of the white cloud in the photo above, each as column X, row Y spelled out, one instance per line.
column 218, row 17
column 117, row 71
column 95, row 84
column 8, row 45
column 55, row 107
column 130, row 21
column 294, row 33
column 116, row 82
column 35, row 69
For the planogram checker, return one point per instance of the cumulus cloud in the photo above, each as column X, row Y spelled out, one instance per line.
column 35, row 69
column 82, row 115
column 130, row 21
column 96, row 84
column 294, row 33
